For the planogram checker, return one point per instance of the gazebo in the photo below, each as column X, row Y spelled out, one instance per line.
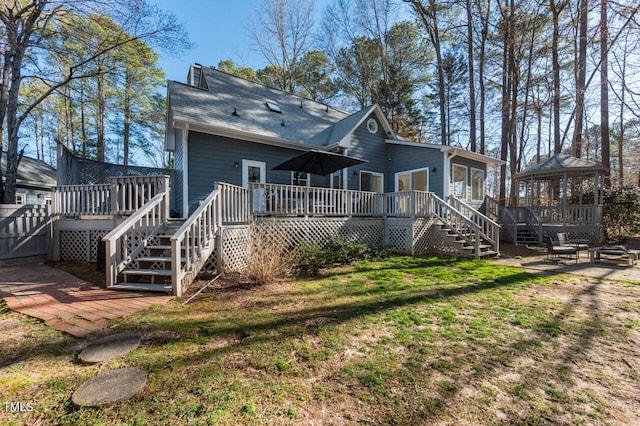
column 544, row 191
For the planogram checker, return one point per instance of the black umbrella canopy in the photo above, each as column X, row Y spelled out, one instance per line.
column 319, row 162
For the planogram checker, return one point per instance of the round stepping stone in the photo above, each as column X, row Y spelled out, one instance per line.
column 110, row 347
column 113, row 386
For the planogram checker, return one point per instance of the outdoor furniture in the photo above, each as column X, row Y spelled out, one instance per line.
column 556, row 250
column 631, row 255
column 578, row 244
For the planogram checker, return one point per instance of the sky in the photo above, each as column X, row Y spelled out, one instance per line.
column 219, row 29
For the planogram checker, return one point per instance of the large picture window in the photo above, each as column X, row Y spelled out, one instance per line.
column 477, row 185
column 371, row 181
column 460, row 181
column 412, row 180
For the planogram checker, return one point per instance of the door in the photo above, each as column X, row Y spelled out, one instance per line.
column 255, row 172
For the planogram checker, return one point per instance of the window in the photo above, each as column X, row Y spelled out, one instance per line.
column 300, row 178
column 372, row 125
column 47, row 201
column 460, row 181
column 371, row 181
column 477, row 184
column 274, row 107
column 412, row 180
column 21, row 199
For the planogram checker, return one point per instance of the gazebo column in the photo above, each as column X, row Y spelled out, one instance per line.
column 564, row 200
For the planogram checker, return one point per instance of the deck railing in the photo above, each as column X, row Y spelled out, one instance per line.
column 489, row 229
column 129, row 238
column 407, row 204
column 75, row 200
column 290, row 200
column 572, row 214
column 236, row 203
column 123, row 196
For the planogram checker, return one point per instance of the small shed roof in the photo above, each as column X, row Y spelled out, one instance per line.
column 32, row 172
column 560, row 164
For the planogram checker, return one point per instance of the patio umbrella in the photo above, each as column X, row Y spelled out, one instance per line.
column 318, row 162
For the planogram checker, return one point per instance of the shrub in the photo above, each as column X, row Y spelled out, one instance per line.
column 268, row 257
column 336, row 251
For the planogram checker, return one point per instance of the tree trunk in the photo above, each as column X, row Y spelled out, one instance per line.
column 472, row 83
column 481, row 66
column 604, row 93
column 506, row 91
column 127, row 117
column 581, row 65
column 100, row 119
column 555, row 11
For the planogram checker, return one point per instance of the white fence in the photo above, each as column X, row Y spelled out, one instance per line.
column 25, row 233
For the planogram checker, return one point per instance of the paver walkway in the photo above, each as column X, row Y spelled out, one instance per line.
column 66, row 302
column 535, row 261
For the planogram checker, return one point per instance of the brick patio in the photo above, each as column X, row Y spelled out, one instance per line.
column 66, row 302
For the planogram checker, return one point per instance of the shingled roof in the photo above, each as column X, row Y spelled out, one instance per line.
column 233, row 104
column 32, row 172
column 559, row 164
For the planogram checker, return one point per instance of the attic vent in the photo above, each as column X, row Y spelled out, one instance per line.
column 274, row 107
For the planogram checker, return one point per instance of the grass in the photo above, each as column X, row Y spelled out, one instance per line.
column 400, row 341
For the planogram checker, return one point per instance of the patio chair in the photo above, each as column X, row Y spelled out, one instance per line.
column 578, row 244
column 555, row 251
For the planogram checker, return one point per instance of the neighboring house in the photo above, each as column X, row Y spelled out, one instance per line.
column 35, row 180
column 225, row 128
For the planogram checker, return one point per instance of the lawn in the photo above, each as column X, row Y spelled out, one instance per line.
column 399, row 341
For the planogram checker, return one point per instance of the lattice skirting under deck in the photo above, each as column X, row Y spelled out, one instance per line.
column 80, row 245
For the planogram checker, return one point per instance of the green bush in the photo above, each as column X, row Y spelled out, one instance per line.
column 336, row 251
column 620, row 211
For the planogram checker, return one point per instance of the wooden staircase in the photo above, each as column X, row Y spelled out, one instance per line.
column 466, row 246
column 151, row 270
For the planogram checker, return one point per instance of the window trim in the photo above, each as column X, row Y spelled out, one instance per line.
column 484, row 183
column 466, row 180
column 404, row 172
column 253, row 163
column 23, row 197
column 373, row 174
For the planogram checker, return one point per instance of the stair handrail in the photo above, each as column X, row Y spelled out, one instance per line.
column 538, row 222
column 492, row 208
column 150, row 218
column 456, row 221
column 489, row 229
column 198, row 235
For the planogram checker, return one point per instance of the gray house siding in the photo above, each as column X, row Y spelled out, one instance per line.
column 213, row 158
column 403, row 158
column 371, row 147
column 178, row 160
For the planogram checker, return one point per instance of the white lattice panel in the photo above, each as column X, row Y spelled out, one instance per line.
column 74, row 245
column 95, row 238
column 441, row 244
column 235, row 247
column 423, row 236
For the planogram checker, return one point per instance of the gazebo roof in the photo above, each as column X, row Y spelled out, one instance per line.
column 560, row 164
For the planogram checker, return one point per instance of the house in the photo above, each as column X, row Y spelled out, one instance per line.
column 228, row 129
column 228, row 134
column 34, row 182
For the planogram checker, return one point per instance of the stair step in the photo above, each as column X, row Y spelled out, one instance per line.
column 158, row 259
column 488, row 253
column 142, row 287
column 148, row 272
column 163, row 247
